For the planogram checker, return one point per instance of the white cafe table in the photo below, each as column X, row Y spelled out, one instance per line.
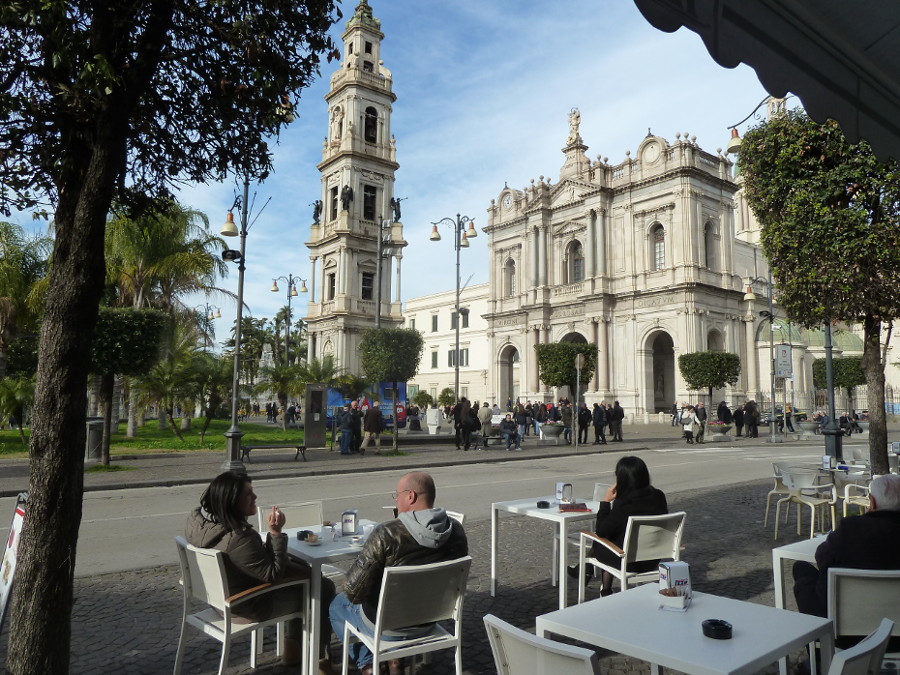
column 631, row 623
column 528, row 507
column 315, row 556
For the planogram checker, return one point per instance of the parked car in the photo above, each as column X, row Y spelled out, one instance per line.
column 798, row 415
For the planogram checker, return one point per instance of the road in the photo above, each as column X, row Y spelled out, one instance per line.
column 131, row 529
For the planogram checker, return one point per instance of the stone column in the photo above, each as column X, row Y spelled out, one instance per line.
column 312, row 279
column 341, row 271
column 542, row 256
column 752, row 359
column 601, row 242
column 590, row 245
column 535, row 340
column 398, row 257
column 601, row 331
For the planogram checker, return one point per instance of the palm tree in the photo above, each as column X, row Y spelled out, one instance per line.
column 16, row 394
column 212, row 379
column 319, row 371
column 284, row 381
column 24, row 262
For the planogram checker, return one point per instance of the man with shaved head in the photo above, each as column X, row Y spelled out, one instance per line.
column 420, row 534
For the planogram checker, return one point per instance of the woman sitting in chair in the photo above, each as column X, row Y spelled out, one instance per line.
column 220, row 522
column 632, row 495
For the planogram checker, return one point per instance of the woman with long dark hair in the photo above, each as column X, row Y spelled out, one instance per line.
column 632, row 495
column 221, row 522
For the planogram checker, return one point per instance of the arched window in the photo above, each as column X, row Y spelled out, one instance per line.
column 575, row 263
column 658, row 237
column 509, row 278
column 709, row 246
column 370, row 128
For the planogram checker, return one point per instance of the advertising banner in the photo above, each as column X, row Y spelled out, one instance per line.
column 8, row 566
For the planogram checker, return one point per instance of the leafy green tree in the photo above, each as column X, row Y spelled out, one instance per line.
column 848, row 373
column 23, row 264
column 16, row 394
column 446, row 397
column 126, row 342
column 119, row 101
column 423, row 399
column 213, row 376
column 556, row 363
column 354, row 386
column 709, row 370
column 391, row 355
column 830, row 216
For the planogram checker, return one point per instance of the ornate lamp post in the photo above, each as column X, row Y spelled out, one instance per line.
column 291, row 282
column 460, row 240
column 769, row 314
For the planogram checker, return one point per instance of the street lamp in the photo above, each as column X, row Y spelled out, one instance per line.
column 460, row 240
column 208, row 314
column 750, row 296
column 291, row 282
column 229, row 229
column 385, row 249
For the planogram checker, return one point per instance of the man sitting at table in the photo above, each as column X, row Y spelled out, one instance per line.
column 420, row 534
column 870, row 542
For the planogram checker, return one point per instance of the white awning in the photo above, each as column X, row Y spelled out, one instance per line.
column 840, row 57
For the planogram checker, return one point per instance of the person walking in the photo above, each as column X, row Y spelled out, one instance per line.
column 615, row 426
column 700, row 418
column 598, row 417
column 584, row 423
column 739, row 420
column 789, row 417
column 373, row 424
column 484, row 416
column 688, row 423
column 567, row 415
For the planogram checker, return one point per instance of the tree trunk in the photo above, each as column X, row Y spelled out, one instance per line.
column 43, row 592
column 94, row 397
column 116, row 404
column 186, row 420
column 131, row 431
column 107, row 389
column 873, row 367
column 171, row 419
column 282, row 401
column 161, row 420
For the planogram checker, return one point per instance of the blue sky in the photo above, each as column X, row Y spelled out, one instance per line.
column 483, row 90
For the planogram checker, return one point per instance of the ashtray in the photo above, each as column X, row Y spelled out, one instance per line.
column 543, row 504
column 717, row 629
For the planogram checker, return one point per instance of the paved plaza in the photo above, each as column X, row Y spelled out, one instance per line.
column 128, row 622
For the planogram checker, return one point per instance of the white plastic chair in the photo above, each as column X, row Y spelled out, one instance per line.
column 858, row 598
column 864, row 658
column 805, row 492
column 519, row 653
column 205, row 583
column 646, row 538
column 416, row 596
column 457, row 516
column 779, row 489
column 297, row 514
column 852, row 490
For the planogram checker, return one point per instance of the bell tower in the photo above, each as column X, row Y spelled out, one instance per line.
column 356, row 218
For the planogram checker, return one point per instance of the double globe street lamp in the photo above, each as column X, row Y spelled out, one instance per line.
column 463, row 230
column 291, row 281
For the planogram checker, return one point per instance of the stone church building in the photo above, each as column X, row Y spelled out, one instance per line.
column 648, row 258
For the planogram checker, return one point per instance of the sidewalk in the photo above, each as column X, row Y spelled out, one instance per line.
column 167, row 469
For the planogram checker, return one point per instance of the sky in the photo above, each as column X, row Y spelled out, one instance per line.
column 484, row 88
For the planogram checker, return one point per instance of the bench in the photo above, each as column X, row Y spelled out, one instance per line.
column 301, row 450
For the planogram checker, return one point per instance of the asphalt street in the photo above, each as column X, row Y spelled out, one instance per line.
column 128, row 603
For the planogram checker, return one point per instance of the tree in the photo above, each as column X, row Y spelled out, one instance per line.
column 556, row 363
column 16, row 394
column 126, row 342
column 391, row 355
column 23, row 264
column 214, row 379
column 447, row 397
column 709, row 370
column 830, row 216
column 319, row 371
column 284, row 381
column 423, row 399
column 120, row 100
column 848, row 373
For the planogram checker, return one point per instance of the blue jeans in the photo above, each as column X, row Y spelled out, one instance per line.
column 343, row 611
column 537, row 427
column 346, row 438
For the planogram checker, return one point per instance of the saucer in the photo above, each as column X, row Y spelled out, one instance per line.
column 314, row 543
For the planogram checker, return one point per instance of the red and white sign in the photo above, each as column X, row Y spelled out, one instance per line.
column 8, row 566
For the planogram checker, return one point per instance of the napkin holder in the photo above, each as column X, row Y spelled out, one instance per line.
column 674, row 577
column 349, row 523
column 564, row 492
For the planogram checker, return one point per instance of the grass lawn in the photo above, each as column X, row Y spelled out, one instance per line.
column 152, row 439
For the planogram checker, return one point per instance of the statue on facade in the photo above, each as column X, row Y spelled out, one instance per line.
column 574, row 124
column 346, row 197
column 317, row 211
column 395, row 205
